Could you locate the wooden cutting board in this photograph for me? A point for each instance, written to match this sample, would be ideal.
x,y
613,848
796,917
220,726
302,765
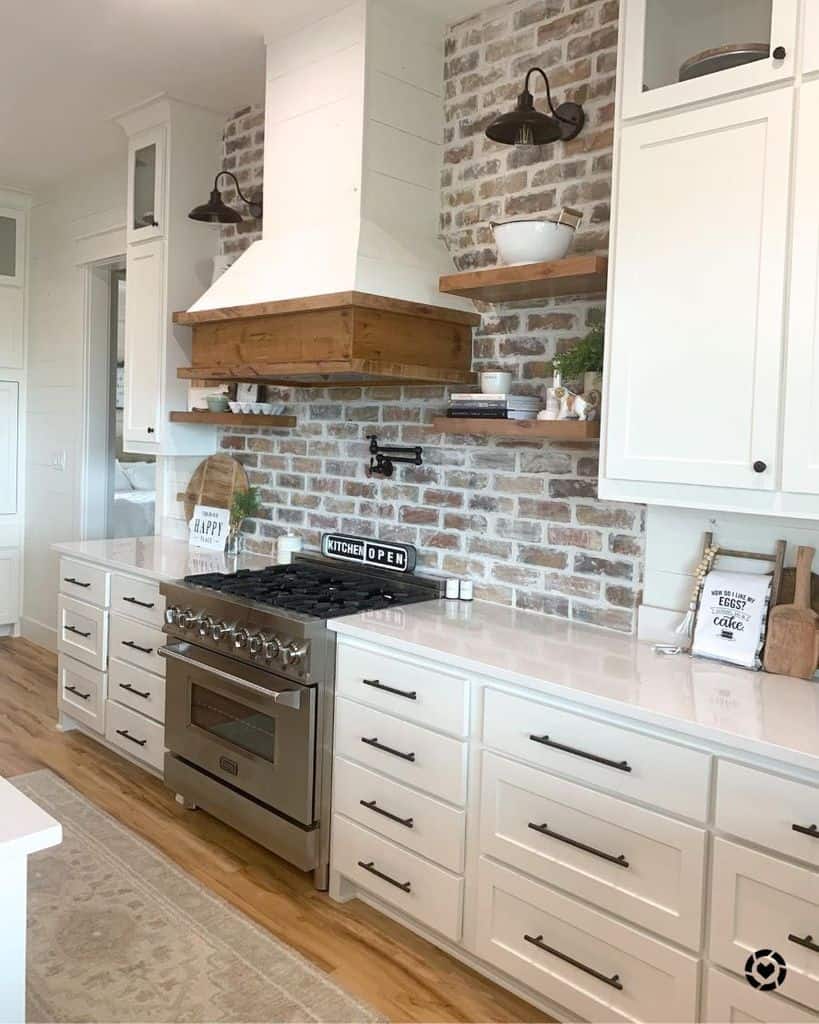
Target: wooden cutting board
x,y
214,482
791,644
787,588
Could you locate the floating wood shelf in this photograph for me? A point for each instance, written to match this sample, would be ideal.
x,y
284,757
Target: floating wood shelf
x,y
574,275
554,430
233,419
328,373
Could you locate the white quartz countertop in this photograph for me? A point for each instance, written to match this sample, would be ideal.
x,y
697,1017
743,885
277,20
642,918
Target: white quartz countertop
x,y
158,558
24,827
772,716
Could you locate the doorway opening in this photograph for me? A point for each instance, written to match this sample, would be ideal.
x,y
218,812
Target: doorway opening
x,y
120,486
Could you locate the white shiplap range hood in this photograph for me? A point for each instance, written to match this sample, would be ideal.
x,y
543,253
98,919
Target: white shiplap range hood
x,y
352,158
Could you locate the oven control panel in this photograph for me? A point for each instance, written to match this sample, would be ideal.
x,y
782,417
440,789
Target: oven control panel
x,y
262,648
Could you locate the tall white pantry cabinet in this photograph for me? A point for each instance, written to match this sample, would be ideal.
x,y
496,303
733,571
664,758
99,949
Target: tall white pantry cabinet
x,y
712,353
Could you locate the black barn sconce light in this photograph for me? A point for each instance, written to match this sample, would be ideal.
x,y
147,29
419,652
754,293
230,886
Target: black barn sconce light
x,y
527,126
216,210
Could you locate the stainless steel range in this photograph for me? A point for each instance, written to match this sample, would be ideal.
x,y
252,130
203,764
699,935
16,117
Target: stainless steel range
x,y
250,686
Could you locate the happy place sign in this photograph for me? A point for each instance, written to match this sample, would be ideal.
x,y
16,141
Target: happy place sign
x,y
398,557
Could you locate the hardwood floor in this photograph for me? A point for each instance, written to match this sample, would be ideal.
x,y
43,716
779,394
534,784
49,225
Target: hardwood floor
x,y
401,975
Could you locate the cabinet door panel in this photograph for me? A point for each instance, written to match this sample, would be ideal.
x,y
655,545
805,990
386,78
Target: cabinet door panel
x,y
11,327
801,448
146,185
9,390
696,318
810,36
144,325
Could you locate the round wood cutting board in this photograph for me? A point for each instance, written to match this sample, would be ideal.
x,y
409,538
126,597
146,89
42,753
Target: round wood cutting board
x,y
214,482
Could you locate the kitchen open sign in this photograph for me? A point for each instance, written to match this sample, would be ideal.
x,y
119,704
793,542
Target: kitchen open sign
x,y
209,528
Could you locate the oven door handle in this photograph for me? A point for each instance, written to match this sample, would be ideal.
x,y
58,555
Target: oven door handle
x,y
287,698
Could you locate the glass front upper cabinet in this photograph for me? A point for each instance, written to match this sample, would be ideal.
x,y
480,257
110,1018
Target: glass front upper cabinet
x,y
146,180
687,51
12,233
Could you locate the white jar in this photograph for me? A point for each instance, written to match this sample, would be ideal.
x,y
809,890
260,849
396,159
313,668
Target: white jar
x,y
287,546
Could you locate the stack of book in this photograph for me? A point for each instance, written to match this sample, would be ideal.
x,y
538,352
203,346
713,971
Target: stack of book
x,y
475,405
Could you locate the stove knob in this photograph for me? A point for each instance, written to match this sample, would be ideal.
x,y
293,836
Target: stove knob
x,y
171,613
219,631
240,639
255,644
271,647
293,653
205,626
185,619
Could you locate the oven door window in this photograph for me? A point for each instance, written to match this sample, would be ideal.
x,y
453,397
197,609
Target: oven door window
x,y
230,720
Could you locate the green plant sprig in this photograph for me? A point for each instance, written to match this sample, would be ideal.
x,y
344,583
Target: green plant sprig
x,y
246,505
585,357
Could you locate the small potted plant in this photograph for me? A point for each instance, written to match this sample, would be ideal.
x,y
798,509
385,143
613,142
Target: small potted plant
x,y
245,505
583,364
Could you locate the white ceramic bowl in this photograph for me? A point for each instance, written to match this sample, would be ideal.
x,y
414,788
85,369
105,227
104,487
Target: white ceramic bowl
x,y
245,407
257,407
532,241
235,406
496,382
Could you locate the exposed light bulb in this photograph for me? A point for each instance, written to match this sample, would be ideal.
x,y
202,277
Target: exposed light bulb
x,y
525,136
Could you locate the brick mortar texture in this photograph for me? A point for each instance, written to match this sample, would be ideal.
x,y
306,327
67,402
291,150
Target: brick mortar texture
x,y
522,520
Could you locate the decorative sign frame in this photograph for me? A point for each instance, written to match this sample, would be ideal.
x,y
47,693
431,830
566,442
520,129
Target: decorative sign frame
x,y
378,553
209,528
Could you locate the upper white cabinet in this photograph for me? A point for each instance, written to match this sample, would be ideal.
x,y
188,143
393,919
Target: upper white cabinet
x,y
696,308
174,150
143,350
146,184
12,246
810,37
678,52
12,286
9,396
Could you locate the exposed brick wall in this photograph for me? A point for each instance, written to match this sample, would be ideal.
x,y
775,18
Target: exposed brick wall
x,y
521,519
244,155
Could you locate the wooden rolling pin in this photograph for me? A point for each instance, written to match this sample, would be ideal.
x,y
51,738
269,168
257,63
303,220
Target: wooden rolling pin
x,y
791,646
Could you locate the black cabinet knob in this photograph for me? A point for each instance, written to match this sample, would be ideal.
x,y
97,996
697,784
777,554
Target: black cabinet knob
x,y
150,430
780,53
760,467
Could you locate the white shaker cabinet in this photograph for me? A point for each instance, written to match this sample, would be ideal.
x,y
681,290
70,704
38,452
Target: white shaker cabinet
x,y
665,39
810,37
143,349
696,309
801,447
146,185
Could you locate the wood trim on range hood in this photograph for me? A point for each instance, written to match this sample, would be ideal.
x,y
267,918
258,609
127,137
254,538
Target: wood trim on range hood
x,y
324,340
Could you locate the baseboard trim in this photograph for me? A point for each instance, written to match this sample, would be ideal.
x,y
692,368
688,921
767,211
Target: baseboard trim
x,y
39,633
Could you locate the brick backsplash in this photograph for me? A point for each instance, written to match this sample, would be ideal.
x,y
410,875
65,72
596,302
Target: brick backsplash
x,y
521,519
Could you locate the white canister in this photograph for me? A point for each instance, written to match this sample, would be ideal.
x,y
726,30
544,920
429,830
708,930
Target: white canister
x,y
452,588
287,546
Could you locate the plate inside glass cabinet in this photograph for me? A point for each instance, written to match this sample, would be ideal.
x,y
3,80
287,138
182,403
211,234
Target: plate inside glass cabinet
x,y
721,58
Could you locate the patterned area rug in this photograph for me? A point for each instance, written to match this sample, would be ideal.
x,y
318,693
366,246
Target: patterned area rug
x,y
119,933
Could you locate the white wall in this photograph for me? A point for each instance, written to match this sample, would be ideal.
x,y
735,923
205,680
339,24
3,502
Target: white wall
x,y
674,546
66,224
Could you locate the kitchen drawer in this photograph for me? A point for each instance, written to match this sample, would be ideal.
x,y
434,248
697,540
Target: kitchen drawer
x,y
729,999
138,598
135,734
143,691
419,889
424,759
658,884
647,980
85,582
415,692
759,902
424,825
633,765
82,693
781,814
83,631
137,644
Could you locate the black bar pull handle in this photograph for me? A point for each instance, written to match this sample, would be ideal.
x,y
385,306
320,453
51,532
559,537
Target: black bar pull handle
x,y
378,685
614,980
76,583
145,694
142,604
79,632
126,735
387,750
544,830
806,942
621,766
370,866
136,647
807,830
371,805
76,692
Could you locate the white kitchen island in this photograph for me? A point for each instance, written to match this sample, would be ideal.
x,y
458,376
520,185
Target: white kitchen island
x,y
24,829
